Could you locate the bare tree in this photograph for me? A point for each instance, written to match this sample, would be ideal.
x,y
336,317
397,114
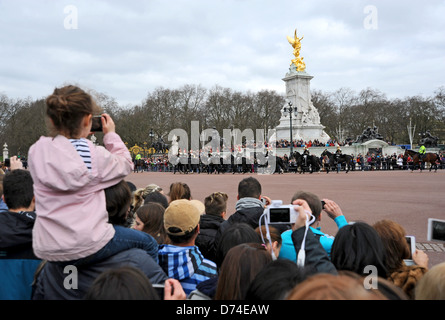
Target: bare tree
x,y
218,108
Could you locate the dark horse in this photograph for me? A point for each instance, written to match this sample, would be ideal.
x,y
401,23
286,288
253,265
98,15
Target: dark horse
x,y
265,161
335,161
431,158
311,163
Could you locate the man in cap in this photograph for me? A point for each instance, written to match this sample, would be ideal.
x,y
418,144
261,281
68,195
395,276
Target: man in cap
x,y
338,152
181,259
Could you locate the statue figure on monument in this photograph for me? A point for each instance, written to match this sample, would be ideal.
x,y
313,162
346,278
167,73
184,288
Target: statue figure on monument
x,y
175,145
306,123
305,117
296,44
313,115
369,134
428,139
376,134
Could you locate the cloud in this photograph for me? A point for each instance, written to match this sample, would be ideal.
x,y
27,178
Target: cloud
x,y
127,49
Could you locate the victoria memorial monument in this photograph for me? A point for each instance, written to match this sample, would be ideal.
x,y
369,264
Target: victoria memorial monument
x,y
303,115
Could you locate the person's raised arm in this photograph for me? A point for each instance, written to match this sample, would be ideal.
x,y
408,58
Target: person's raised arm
x,y
316,257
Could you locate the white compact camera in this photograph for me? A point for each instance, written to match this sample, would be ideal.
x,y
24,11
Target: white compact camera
x,y
279,213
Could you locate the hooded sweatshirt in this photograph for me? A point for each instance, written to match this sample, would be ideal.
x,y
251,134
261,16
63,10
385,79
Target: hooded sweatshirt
x,y
187,265
17,260
72,220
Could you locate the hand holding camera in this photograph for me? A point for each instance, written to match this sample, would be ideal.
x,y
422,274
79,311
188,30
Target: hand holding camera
x,y
331,208
13,163
420,258
276,212
304,213
103,123
299,214
296,213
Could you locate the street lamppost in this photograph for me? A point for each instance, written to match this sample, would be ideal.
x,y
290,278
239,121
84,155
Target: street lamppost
x,y
411,131
289,111
151,134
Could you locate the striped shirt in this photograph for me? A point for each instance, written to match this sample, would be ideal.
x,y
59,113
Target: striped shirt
x,y
187,265
81,145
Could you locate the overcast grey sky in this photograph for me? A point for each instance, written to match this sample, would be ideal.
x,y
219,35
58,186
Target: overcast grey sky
x,y
126,49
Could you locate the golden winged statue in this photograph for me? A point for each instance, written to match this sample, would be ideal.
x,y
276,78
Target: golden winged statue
x,y
296,44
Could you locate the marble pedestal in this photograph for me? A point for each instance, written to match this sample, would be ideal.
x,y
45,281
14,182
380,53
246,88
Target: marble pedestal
x,y
306,120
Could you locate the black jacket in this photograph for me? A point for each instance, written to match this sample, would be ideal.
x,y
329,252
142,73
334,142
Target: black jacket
x,y
51,281
208,227
16,255
16,231
250,216
317,260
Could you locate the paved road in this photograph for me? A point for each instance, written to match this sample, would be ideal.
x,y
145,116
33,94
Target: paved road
x,y
409,198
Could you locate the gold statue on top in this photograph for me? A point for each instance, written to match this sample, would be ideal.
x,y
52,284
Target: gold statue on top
x,y
296,44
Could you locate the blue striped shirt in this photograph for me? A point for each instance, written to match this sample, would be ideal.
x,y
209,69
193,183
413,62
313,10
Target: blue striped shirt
x,y
81,145
187,265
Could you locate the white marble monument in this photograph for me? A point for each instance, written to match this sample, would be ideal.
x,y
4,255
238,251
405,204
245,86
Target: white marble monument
x,y
305,118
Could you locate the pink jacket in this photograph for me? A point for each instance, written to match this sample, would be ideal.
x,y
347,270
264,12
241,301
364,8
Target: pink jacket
x,y
72,220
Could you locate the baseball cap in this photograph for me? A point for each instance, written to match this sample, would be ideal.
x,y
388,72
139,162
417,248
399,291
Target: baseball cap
x,y
199,205
181,217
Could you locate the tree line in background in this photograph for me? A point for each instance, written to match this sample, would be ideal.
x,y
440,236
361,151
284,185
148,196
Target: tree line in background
x,y
345,113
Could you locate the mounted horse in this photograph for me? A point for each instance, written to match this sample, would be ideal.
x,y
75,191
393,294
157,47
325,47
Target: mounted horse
x,y
309,163
335,161
264,162
432,158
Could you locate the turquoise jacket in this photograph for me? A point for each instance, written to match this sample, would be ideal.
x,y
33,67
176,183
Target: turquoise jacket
x,y
287,246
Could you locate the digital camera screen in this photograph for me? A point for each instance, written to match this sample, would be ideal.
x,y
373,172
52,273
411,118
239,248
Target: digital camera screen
x,y
438,230
408,239
279,215
97,124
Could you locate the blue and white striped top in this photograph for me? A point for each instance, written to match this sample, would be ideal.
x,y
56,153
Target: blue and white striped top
x,y
187,265
81,145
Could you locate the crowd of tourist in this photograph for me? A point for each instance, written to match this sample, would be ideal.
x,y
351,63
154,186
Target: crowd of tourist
x,y
73,227
233,258
284,143
203,255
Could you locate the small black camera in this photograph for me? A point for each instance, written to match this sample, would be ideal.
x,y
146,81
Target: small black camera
x,y
97,124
